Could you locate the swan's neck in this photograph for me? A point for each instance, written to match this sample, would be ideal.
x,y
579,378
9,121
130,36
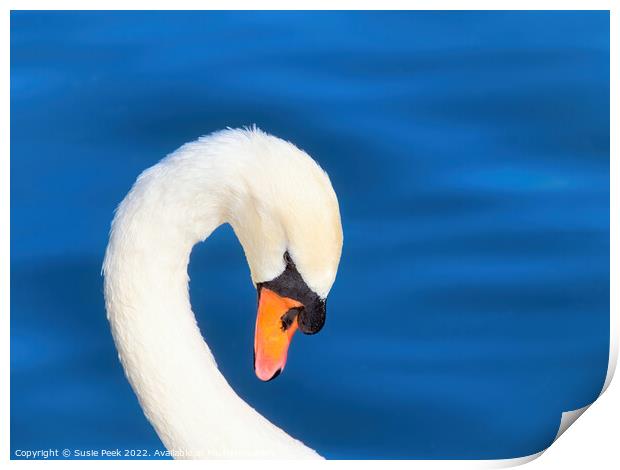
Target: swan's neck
x,y
195,412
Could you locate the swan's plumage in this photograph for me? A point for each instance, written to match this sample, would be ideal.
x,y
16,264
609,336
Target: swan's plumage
x,y
277,199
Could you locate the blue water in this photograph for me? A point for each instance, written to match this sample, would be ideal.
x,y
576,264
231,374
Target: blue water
x,y
470,154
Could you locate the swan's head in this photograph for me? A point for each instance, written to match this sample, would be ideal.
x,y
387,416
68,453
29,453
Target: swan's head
x,y
286,217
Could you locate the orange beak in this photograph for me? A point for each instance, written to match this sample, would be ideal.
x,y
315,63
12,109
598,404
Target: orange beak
x,y
275,327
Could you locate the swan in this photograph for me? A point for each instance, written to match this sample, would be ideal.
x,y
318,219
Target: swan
x,y
284,211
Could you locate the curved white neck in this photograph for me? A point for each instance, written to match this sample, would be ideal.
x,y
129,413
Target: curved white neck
x,y
172,206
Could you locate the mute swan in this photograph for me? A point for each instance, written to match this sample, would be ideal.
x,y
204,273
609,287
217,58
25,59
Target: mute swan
x,y
283,209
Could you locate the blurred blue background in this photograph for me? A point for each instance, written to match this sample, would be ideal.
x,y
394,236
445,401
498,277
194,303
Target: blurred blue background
x,y
470,154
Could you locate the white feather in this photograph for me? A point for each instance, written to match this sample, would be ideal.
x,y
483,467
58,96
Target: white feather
x,y
276,198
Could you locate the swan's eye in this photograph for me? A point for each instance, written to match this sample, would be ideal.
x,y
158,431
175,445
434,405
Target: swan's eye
x,y
287,258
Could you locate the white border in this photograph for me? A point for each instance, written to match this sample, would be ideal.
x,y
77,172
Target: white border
x,y
592,442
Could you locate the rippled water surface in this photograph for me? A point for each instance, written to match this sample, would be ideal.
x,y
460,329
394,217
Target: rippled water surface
x,y
470,154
